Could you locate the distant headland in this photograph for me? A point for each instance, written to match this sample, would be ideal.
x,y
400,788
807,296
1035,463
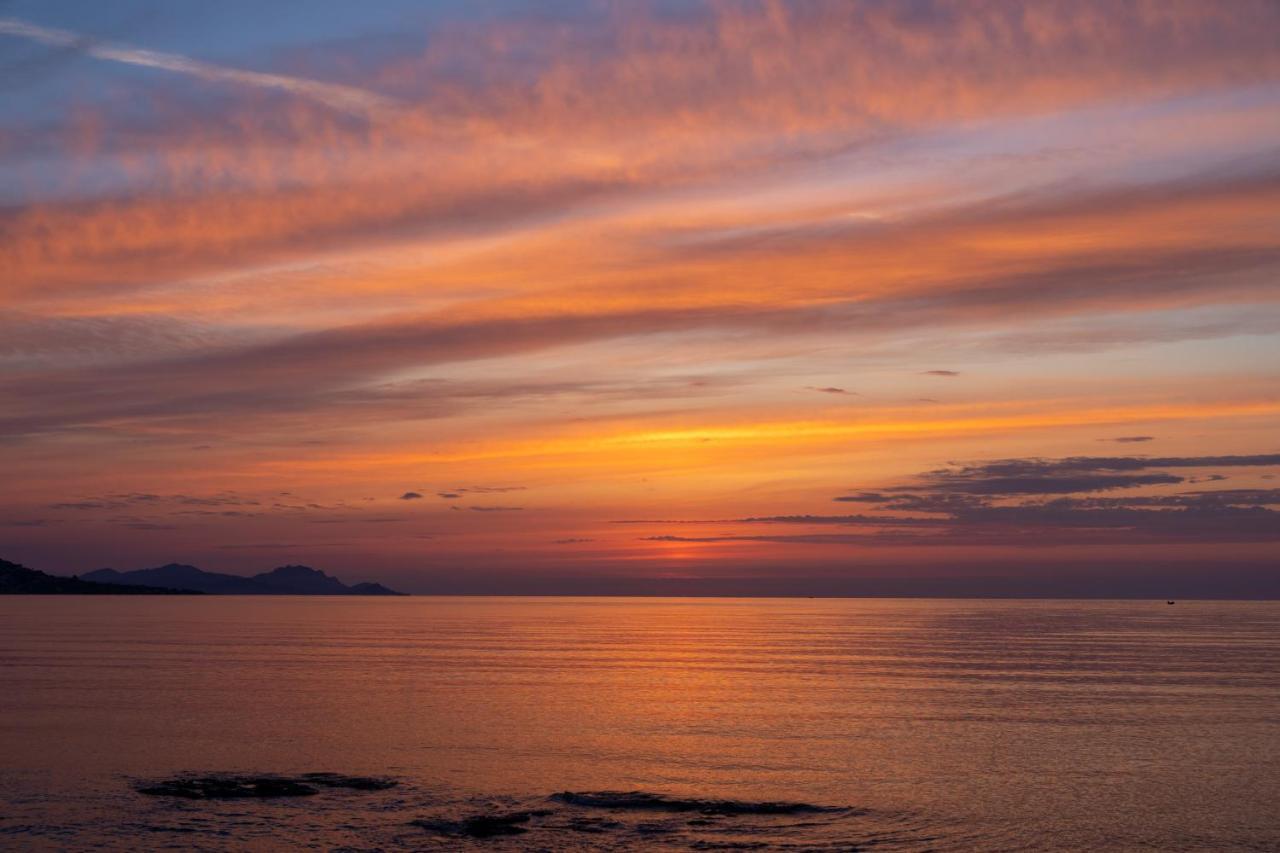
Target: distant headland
x,y
179,579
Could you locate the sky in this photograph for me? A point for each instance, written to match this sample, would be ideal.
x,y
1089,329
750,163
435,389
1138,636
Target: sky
x,y
916,297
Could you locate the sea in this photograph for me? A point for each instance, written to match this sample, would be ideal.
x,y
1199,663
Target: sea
x,y
575,724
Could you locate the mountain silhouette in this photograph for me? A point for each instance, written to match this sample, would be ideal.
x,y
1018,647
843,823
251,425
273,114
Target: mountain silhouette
x,y
301,580
284,580
16,579
179,576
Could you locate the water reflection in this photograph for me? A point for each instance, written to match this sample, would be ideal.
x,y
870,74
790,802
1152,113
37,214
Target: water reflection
x,y
927,724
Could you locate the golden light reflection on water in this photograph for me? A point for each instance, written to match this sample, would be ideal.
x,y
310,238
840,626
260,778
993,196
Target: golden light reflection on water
x,y
1084,723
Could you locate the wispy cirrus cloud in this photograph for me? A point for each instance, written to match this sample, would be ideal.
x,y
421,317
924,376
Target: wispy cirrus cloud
x,y
346,365
347,99
601,248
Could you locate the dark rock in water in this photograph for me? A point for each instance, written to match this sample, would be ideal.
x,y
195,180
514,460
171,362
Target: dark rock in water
x,y
642,801
229,788
486,826
355,783
259,787
592,825
483,826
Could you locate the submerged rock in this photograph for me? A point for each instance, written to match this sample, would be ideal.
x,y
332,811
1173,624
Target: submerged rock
x,y
228,788
643,801
483,825
237,787
355,783
593,825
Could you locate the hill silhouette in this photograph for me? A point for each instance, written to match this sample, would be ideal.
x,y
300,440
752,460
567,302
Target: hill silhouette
x,y
284,580
16,579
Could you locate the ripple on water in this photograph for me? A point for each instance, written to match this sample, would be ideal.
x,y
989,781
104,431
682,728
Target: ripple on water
x,y
389,816
613,820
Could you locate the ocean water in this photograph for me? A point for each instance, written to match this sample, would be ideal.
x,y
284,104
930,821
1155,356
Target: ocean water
x,y
895,725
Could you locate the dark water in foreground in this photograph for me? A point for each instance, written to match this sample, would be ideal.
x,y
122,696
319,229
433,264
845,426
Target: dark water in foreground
x,y
896,724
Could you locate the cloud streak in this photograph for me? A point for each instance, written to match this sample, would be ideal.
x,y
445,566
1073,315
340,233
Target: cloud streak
x,y
1033,503
653,260
346,99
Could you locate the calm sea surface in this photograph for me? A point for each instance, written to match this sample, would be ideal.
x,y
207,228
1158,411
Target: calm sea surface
x,y
908,724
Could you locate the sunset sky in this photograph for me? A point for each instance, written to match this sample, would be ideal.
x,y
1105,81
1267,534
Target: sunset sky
x,y
795,298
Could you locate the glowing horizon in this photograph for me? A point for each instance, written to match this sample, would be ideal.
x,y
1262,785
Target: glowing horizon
x,y
543,297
